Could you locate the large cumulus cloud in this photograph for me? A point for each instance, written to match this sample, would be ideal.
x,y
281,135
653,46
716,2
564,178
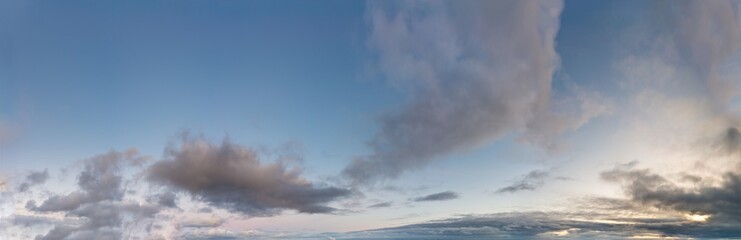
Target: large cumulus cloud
x,y
233,177
474,71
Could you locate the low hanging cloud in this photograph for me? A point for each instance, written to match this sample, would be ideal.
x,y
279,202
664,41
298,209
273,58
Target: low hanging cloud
x,y
474,71
441,196
233,177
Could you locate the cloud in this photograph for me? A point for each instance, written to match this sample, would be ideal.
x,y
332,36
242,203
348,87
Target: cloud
x,y
233,177
206,221
474,71
441,196
168,199
722,202
3,184
32,179
381,205
97,210
545,225
99,181
707,35
531,181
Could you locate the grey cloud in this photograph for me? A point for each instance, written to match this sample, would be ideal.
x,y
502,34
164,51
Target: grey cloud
x,y
202,222
168,199
474,71
531,181
30,220
99,181
98,204
32,179
3,184
381,205
441,196
722,202
731,141
232,177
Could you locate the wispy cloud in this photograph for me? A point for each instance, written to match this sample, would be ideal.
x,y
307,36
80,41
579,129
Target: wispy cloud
x,y
33,178
381,205
441,196
530,181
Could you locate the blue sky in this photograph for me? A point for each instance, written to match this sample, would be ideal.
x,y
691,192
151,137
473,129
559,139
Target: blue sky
x,y
257,119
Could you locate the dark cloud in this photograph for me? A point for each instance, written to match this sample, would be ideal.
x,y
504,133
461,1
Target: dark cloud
x,y
233,177
98,205
721,201
530,181
441,196
456,59
32,179
731,141
381,205
168,199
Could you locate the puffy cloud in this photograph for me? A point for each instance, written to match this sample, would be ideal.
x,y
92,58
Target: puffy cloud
x,y
99,181
97,210
441,196
233,177
474,71
34,178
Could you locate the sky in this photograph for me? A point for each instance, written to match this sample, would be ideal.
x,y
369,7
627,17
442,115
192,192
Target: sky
x,y
506,119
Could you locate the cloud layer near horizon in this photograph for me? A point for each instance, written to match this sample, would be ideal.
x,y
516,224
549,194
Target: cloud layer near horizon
x,y
108,203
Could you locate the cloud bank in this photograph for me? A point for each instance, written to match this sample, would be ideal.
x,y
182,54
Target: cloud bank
x,y
550,225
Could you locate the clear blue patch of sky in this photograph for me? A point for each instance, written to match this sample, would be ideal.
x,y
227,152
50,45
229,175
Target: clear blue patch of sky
x,y
95,75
